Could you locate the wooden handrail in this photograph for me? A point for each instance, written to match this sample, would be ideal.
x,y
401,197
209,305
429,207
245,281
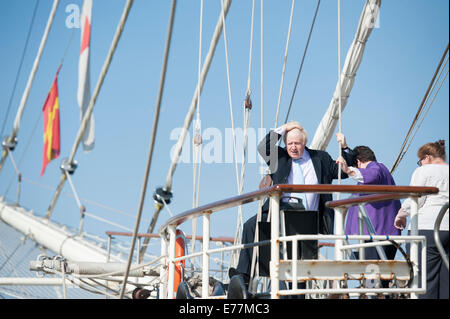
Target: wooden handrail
x,y
348,202
401,191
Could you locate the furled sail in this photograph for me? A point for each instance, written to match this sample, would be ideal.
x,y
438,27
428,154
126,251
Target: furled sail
x,y
366,23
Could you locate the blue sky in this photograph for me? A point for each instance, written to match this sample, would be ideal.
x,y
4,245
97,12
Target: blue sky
x,y
399,62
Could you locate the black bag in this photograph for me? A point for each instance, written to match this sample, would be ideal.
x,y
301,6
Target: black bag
x,y
298,221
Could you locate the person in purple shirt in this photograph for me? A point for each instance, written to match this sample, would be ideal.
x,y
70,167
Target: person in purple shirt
x,y
381,214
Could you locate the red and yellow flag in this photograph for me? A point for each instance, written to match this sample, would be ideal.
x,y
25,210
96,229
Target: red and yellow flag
x,y
51,125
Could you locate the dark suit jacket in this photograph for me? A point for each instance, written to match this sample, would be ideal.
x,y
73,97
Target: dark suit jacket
x,y
280,164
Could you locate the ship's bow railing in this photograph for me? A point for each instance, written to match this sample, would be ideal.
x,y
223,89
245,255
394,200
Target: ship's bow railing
x,y
281,270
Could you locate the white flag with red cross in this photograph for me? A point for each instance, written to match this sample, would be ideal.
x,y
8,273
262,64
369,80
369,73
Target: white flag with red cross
x,y
84,86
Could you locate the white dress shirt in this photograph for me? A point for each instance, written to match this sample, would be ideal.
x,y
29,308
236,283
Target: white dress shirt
x,y
358,176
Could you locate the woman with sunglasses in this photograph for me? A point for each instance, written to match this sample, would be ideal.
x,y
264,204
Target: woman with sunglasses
x,y
432,171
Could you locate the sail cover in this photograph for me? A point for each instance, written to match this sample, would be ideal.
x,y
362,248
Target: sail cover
x,y
326,127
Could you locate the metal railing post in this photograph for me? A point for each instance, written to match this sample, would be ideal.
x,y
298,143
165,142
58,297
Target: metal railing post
x,y
274,247
205,257
171,279
414,245
294,263
362,251
108,256
339,220
163,269
424,263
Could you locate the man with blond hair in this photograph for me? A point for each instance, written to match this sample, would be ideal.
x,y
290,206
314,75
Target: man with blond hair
x,y
295,164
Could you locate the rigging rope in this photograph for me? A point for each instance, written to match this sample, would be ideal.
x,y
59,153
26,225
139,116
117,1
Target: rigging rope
x,y
188,118
427,109
38,115
20,67
416,117
152,144
261,167
247,111
340,91
8,258
33,72
230,101
261,125
301,63
88,112
284,63
251,49
197,141
13,137
353,60
43,186
114,210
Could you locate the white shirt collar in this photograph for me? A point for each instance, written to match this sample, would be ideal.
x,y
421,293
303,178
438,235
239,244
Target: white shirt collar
x,y
302,159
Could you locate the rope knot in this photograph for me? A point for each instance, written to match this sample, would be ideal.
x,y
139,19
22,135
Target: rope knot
x,y
198,139
248,102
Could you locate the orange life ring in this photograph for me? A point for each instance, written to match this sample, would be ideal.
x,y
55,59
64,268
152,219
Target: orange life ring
x,y
180,249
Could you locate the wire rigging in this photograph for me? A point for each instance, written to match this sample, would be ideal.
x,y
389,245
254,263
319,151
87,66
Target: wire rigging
x,y
339,90
20,68
425,112
250,55
419,111
87,115
38,117
284,62
353,60
187,122
247,111
230,102
152,144
303,59
197,141
12,139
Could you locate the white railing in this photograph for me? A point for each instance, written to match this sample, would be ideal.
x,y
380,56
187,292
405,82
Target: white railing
x,y
168,235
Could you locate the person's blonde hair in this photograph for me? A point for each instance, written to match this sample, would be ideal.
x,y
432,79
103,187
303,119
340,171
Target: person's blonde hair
x,y
436,149
302,132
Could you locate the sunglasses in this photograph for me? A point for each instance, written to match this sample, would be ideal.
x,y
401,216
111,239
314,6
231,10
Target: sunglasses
x,y
419,162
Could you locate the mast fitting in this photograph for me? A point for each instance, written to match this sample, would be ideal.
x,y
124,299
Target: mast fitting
x,y
68,167
162,196
8,143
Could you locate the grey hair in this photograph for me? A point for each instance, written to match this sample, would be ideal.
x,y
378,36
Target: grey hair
x,y
302,132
